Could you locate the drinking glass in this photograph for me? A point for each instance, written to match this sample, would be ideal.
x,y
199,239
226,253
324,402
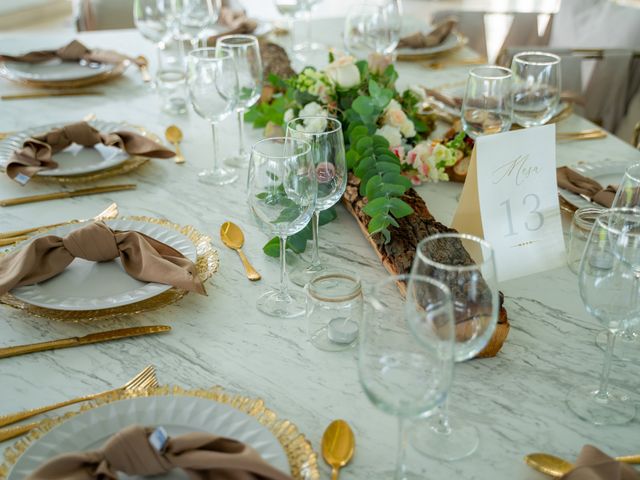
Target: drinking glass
x,y
609,284
405,355
303,50
487,107
213,85
282,195
627,196
536,87
327,150
245,51
581,225
334,310
449,258
289,8
170,85
195,17
373,27
152,18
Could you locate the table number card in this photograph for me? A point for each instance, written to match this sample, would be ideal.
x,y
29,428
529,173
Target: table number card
x,y
510,198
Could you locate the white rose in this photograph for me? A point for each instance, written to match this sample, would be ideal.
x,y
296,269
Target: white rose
x,y
315,124
288,115
392,134
344,72
312,109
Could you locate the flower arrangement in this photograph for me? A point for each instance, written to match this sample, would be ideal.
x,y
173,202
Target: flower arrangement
x,y
386,131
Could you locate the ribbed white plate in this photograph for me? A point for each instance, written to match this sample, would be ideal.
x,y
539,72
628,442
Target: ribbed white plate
x,y
605,172
86,285
177,414
56,69
409,27
74,160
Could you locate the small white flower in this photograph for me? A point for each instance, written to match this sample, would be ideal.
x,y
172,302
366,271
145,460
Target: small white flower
x,y
312,109
288,115
392,134
408,129
344,72
315,125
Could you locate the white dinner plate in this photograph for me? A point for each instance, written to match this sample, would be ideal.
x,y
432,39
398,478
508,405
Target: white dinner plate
x,y
177,414
56,70
605,172
410,27
74,160
86,285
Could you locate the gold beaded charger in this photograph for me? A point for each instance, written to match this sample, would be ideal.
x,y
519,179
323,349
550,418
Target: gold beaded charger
x,y
207,261
300,455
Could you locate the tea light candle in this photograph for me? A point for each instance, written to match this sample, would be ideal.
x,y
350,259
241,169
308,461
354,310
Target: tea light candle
x,y
342,330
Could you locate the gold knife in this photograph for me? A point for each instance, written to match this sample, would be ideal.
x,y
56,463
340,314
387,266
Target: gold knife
x,y
86,340
69,93
67,194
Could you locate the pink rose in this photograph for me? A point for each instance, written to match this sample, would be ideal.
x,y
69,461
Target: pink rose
x,y
399,152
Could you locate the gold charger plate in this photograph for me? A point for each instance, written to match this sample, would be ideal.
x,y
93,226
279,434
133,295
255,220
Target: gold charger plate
x,y
462,41
207,261
302,459
115,72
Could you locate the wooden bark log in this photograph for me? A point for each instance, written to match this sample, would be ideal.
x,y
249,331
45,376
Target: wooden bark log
x,y
397,255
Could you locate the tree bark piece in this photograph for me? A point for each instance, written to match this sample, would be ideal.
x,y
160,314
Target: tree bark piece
x,y
397,255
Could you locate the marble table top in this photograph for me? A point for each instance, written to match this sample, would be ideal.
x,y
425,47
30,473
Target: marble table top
x,y
517,399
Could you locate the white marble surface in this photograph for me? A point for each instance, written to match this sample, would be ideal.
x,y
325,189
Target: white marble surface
x,y
516,399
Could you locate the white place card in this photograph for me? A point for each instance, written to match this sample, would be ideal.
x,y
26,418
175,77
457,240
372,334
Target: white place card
x,y
510,198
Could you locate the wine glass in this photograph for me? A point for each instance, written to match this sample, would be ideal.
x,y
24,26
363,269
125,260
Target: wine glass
x,y
245,51
466,265
405,352
627,196
487,107
307,47
373,27
536,87
213,85
152,18
195,17
609,284
289,8
282,196
327,149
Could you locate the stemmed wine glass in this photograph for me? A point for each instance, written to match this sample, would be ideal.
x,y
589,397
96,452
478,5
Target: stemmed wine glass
x,y
245,51
195,17
213,85
327,149
282,197
536,87
466,265
627,196
152,18
373,27
609,284
405,353
487,107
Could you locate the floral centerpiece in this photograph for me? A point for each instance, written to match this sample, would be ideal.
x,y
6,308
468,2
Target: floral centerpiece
x,y
386,132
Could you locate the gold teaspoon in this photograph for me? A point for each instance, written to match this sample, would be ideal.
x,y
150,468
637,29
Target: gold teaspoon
x,y
174,135
143,65
338,445
233,238
557,467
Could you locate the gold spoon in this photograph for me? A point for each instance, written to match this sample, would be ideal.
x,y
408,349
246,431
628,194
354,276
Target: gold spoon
x,y
557,467
143,65
338,445
174,135
233,238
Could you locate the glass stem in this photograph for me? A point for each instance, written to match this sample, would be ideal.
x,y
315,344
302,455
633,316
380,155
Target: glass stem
x,y
215,146
307,26
603,389
291,27
284,289
441,424
401,468
241,150
315,225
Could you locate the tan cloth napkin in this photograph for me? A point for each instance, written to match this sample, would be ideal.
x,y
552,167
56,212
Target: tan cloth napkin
x,y
37,152
201,455
592,464
73,51
143,257
433,38
235,21
581,185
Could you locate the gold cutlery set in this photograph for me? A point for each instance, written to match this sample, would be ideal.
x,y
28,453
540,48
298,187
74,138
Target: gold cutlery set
x,y
67,194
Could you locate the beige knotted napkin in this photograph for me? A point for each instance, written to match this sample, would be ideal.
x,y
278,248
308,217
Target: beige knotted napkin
x,y
72,52
592,464
584,186
236,21
201,455
37,152
433,38
143,257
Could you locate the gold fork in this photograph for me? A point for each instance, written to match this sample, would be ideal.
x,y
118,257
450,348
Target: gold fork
x,y
144,380
108,213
